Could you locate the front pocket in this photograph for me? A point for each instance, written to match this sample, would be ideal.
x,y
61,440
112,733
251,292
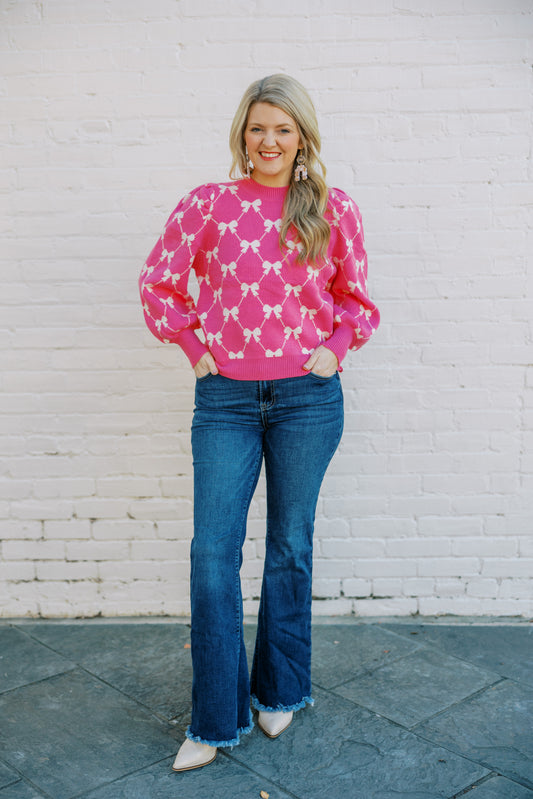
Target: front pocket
x,y
321,377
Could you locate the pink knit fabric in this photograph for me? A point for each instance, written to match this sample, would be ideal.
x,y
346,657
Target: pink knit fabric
x,y
262,314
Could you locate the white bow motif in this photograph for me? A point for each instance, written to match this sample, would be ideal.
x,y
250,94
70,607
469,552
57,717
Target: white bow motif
x,y
292,245
310,312
229,268
168,275
255,334
274,353
166,254
294,331
272,309
354,286
276,266
312,273
296,290
233,312
212,254
256,205
270,223
246,287
214,337
234,355
187,239
231,226
246,245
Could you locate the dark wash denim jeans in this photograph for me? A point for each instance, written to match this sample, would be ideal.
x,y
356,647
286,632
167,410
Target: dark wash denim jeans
x,y
295,425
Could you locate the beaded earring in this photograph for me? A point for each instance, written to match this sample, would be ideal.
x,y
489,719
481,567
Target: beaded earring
x,y
301,170
249,163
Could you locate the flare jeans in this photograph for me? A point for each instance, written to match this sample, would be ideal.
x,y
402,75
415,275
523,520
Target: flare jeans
x,y
294,425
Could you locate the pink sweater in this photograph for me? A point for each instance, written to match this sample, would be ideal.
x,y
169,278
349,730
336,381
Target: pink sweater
x,y
261,312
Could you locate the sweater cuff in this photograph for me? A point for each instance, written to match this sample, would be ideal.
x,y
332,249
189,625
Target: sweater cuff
x,y
339,342
191,345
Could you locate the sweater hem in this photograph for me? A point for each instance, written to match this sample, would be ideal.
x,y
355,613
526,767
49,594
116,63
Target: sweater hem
x,y
265,368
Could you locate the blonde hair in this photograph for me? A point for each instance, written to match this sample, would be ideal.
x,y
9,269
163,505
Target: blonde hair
x,y
306,200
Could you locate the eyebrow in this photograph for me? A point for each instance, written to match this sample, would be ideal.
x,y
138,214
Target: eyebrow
x,y
282,125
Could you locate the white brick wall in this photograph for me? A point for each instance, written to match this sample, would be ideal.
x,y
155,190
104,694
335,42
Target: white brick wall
x,y
112,110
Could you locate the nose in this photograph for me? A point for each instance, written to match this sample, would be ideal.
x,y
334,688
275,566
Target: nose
x,y
270,139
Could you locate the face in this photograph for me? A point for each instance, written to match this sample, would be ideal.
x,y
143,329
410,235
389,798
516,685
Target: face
x,y
273,141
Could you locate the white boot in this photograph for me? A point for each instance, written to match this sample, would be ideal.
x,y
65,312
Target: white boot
x,y
273,724
193,755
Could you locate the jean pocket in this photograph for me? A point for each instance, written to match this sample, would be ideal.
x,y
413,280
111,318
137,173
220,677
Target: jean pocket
x,y
321,377
204,377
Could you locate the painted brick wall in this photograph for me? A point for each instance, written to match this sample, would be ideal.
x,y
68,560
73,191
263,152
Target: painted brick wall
x,y
111,111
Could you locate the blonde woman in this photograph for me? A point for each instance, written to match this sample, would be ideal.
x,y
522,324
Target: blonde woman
x,y
281,267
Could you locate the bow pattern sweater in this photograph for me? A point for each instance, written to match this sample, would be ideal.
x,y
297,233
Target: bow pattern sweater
x,y
262,314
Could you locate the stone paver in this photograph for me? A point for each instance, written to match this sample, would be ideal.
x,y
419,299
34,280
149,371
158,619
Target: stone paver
x,y
508,651
224,779
500,788
23,660
20,790
336,749
494,728
341,653
416,687
149,662
97,710
72,732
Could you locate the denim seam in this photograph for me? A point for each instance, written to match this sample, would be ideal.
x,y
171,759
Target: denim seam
x,y
238,609
244,513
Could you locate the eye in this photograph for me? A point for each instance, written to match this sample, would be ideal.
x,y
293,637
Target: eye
x,y
285,130
255,130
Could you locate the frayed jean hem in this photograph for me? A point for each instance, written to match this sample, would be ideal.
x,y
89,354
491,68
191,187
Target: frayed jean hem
x,y
307,700
231,742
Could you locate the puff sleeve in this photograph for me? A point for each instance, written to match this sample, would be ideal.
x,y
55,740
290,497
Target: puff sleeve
x,y
169,309
356,317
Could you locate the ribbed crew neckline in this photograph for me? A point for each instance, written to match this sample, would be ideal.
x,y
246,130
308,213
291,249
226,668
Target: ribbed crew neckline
x,y
264,192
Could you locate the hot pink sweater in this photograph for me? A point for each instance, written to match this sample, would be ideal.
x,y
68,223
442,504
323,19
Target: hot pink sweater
x,y
261,312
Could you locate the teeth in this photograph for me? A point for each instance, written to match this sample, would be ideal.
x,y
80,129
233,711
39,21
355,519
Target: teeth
x,y
269,155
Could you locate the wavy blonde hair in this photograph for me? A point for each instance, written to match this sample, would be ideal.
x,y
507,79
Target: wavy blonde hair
x,y
306,200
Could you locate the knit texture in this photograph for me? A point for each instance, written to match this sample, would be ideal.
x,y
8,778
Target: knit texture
x,y
261,313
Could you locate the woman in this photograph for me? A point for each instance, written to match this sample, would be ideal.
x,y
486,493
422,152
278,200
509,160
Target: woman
x,y
281,267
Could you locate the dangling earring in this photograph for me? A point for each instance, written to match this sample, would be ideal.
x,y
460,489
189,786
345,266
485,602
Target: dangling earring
x,y
249,163
301,169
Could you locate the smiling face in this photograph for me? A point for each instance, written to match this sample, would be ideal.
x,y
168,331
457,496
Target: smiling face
x,y
273,141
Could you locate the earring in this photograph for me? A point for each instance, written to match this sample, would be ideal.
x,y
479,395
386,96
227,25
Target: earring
x,y
249,163
301,169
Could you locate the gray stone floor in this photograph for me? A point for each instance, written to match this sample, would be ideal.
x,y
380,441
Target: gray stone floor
x,y
404,710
